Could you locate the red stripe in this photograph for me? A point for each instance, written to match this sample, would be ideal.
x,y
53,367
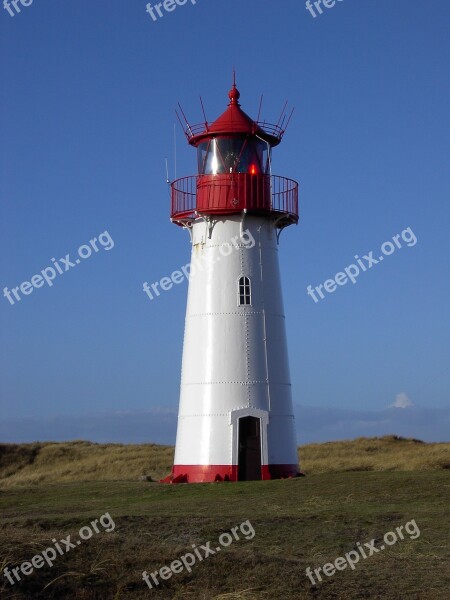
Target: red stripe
x,y
211,473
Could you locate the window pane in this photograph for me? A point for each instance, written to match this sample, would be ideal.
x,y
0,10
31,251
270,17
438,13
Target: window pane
x,y
244,291
232,155
202,151
231,150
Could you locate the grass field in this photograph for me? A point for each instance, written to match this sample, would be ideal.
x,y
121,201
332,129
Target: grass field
x,y
49,491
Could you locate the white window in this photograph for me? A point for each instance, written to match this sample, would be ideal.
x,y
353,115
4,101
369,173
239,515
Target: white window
x,y
244,292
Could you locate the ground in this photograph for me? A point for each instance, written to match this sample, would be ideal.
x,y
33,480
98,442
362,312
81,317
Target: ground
x,y
297,523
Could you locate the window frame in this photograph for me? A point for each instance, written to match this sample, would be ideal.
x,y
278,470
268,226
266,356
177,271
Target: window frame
x,y
244,291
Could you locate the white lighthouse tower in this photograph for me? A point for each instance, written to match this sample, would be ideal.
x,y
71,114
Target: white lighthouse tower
x,y
236,418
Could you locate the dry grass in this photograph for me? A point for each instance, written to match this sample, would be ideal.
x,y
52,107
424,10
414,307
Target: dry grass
x,y
388,453
31,464
42,463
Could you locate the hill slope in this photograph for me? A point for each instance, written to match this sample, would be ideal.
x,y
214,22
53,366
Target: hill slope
x,y
31,464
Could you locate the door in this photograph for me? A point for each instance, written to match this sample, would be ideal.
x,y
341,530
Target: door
x,y
249,468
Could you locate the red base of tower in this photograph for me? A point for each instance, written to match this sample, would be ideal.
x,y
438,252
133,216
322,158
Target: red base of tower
x,y
216,473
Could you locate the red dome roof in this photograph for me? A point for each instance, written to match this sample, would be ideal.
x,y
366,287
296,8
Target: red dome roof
x,y
233,121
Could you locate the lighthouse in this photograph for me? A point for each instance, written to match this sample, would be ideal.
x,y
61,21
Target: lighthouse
x,y
235,420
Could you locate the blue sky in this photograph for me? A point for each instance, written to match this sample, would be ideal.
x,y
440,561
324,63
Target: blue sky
x,y
88,96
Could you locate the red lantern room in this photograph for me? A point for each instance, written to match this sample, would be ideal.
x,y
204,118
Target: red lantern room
x,y
234,170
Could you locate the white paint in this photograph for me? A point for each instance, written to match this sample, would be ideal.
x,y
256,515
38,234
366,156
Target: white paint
x,y
235,360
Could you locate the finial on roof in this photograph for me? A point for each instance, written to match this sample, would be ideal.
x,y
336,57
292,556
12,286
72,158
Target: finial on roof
x,y
234,93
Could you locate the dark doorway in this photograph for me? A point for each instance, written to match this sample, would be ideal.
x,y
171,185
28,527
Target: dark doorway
x,y
249,449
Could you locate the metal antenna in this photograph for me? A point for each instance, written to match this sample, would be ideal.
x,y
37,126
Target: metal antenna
x,y
181,124
282,113
260,106
168,180
204,113
290,117
185,118
167,171
175,148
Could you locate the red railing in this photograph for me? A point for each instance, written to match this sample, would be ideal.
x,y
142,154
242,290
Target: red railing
x,y
284,196
184,197
235,192
192,131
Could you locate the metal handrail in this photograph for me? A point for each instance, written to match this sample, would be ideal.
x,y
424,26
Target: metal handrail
x,y
283,196
192,131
